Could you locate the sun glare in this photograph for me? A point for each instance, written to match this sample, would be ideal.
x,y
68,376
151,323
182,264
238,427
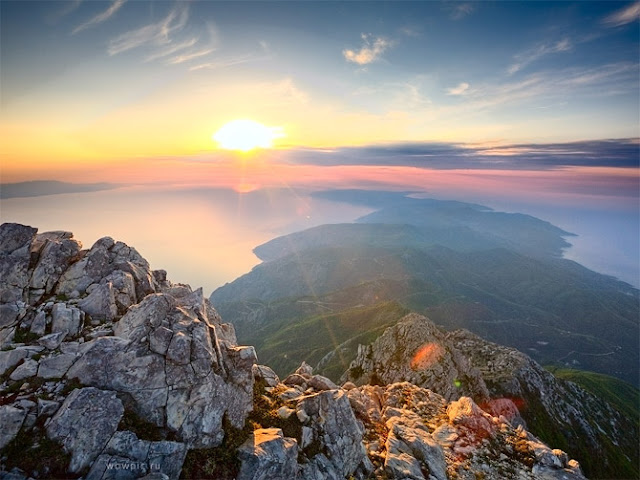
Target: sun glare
x,y
246,135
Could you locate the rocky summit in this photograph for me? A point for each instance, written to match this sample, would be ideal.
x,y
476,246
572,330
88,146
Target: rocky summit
x,y
109,370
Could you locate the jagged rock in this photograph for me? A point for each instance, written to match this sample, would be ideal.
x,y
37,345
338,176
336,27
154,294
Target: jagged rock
x,y
304,369
100,304
10,358
28,369
47,408
84,424
268,455
318,382
53,340
39,324
55,252
262,372
405,438
334,426
14,261
416,351
55,366
66,319
8,314
11,419
126,455
295,379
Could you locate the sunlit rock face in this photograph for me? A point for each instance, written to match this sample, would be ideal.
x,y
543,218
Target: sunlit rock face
x,y
102,339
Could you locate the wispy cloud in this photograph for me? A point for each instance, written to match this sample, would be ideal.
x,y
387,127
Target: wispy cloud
x,y
172,49
533,54
101,17
625,15
225,62
461,10
460,89
370,51
153,34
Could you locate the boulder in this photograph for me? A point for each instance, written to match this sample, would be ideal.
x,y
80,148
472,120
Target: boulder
x,y
268,455
66,319
127,456
10,358
28,369
56,366
85,423
11,419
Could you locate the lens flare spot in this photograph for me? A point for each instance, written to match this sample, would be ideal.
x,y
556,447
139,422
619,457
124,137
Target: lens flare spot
x,y
426,355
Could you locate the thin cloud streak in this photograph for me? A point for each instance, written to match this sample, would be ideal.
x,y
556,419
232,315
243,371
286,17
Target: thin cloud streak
x,y
369,52
172,49
153,34
526,58
101,17
628,14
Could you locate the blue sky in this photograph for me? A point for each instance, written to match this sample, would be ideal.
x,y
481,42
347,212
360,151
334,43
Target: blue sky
x,y
327,73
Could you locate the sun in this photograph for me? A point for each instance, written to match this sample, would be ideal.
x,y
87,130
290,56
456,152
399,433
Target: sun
x,y
246,135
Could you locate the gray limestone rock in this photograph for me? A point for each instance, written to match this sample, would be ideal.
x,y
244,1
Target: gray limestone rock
x,y
53,340
55,251
66,319
39,324
336,429
85,423
55,366
264,373
126,456
28,369
10,358
268,455
318,382
11,419
100,304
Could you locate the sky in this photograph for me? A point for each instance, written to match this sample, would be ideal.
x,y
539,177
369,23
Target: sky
x,y
530,105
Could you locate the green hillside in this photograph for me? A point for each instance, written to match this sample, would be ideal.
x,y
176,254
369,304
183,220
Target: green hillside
x,y
621,395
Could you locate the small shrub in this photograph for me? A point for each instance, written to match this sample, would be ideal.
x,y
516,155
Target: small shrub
x,y
37,455
356,372
23,335
143,429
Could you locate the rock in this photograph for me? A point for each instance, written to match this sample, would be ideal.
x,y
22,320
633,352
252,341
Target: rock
x,y
85,423
55,366
11,419
100,304
126,454
39,324
14,236
418,443
262,372
295,379
318,382
57,252
402,466
10,358
268,455
160,339
179,350
47,408
334,426
416,351
53,340
304,369
466,413
8,314
28,369
66,319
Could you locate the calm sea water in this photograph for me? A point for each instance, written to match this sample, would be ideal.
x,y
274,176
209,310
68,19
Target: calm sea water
x,y
205,237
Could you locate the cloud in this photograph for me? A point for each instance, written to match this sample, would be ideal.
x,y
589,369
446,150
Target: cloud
x,y
462,10
172,49
370,50
628,14
461,89
101,17
533,54
153,34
